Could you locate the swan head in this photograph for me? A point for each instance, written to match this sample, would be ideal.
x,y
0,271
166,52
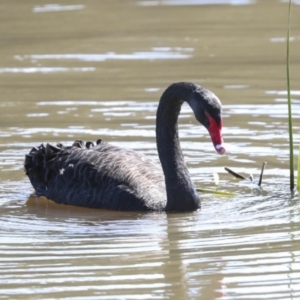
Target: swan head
x,y
208,111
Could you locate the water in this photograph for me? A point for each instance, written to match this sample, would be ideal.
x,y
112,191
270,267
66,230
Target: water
x,y
96,69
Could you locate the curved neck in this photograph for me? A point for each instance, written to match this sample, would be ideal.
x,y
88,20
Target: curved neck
x,y
181,193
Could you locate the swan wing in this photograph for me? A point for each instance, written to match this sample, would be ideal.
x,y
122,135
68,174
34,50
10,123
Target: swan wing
x,y
104,176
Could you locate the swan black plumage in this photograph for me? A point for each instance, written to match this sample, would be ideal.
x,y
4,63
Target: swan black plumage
x,y
110,177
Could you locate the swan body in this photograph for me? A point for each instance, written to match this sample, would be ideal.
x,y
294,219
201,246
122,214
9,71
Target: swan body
x,y
110,177
79,175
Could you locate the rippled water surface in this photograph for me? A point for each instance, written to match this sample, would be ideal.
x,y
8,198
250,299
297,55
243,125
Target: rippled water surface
x,y
96,69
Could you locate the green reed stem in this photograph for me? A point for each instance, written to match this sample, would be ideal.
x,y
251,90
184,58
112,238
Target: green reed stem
x,y
289,100
298,175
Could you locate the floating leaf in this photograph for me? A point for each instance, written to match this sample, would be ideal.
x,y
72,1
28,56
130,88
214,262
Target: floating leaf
x,y
222,193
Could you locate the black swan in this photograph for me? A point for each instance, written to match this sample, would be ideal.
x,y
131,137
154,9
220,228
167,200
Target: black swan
x,y
106,176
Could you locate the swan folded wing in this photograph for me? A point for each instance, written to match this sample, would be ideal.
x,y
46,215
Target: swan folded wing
x,y
134,173
104,176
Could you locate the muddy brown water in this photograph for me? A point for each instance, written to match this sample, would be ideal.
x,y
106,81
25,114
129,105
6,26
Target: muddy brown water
x,y
96,69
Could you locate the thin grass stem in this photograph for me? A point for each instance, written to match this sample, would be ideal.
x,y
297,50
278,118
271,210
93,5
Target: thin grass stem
x,y
298,175
237,175
289,100
261,173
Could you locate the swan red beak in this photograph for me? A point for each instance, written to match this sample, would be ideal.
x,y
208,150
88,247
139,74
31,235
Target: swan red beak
x,y
215,131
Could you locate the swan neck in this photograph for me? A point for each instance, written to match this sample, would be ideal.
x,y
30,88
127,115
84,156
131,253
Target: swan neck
x,y
181,193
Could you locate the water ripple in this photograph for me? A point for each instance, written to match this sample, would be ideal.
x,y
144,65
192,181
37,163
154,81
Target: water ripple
x,y
156,53
228,249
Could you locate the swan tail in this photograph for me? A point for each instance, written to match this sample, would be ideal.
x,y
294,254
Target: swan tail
x,y
41,163
35,165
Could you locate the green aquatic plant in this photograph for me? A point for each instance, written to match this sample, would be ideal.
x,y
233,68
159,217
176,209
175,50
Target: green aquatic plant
x,y
289,101
215,192
298,175
251,178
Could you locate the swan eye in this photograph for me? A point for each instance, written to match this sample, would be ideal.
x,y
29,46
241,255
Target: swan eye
x,y
207,114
